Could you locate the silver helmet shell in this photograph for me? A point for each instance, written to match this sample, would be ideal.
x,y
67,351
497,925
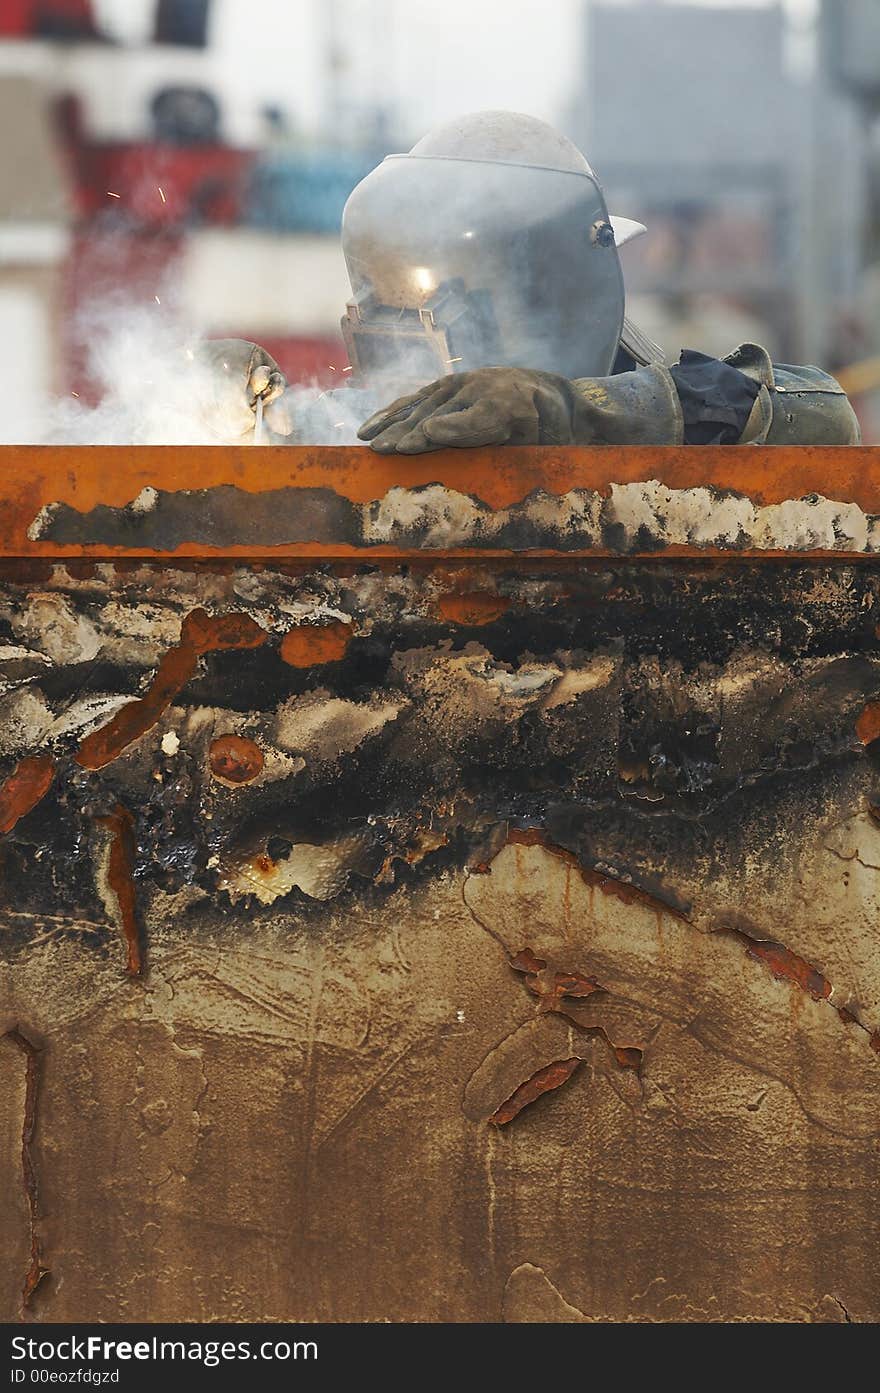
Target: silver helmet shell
x,y
488,244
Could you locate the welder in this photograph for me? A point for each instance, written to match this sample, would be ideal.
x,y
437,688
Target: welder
x,y
488,301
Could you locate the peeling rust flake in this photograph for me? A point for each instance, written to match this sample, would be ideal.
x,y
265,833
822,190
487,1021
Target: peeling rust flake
x,y
551,988
29,781
563,992
474,608
235,759
200,633
525,961
311,644
868,723
552,1076
786,965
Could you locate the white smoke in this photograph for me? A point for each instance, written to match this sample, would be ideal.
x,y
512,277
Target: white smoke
x,y
153,390
330,417
159,383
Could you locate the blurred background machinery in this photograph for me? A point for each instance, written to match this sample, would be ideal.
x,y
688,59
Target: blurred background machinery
x,y
198,153
850,45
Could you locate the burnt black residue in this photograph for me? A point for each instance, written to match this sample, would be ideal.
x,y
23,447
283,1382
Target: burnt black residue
x,y
727,702
218,517
225,515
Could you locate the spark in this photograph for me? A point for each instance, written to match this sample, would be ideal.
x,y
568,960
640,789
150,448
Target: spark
x,y
424,278
190,355
349,369
454,360
113,195
74,394
161,193
156,298
331,367
339,425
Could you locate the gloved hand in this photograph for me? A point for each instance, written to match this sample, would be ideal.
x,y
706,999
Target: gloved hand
x,y
518,406
490,406
233,374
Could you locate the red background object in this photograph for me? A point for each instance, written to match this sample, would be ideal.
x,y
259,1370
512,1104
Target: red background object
x,y
21,19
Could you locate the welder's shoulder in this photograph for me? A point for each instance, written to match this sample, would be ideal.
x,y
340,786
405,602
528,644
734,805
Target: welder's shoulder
x,y
795,405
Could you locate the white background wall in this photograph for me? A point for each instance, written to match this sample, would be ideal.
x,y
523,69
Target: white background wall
x,y
24,389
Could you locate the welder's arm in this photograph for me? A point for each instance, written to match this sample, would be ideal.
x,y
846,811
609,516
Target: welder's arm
x,y
738,400
231,375
518,406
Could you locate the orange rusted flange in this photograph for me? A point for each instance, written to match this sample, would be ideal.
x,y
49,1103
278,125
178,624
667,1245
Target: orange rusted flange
x,y
33,478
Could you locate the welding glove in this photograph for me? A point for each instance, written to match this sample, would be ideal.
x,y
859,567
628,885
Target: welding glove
x,y
232,375
519,406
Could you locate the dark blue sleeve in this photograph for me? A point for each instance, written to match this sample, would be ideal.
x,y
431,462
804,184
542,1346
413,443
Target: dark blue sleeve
x,y
716,399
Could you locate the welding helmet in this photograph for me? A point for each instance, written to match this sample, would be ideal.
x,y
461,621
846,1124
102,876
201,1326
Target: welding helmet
x,y
488,244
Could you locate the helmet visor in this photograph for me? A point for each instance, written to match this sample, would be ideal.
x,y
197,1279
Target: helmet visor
x,y
456,264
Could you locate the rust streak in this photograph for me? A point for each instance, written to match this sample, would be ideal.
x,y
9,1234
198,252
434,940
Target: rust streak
x,y
608,885
37,1269
29,781
120,878
783,963
200,633
310,644
544,1081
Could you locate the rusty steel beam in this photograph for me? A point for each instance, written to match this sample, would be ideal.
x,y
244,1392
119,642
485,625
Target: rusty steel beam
x,y
386,837
192,501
